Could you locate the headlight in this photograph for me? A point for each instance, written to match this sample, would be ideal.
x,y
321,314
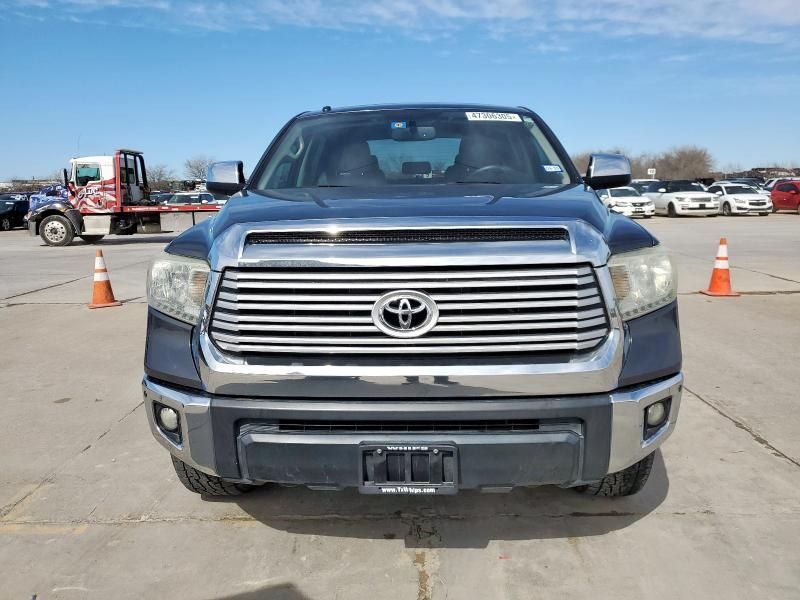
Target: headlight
x,y
622,203
644,280
176,286
680,198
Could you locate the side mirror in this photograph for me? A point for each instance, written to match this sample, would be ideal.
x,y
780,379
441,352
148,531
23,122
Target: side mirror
x,y
608,171
718,193
662,190
226,177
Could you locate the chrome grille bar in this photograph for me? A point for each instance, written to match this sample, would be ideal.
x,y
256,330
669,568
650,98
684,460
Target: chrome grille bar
x,y
325,311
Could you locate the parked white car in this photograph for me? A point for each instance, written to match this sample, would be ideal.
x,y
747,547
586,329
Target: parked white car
x,y
737,199
627,201
681,197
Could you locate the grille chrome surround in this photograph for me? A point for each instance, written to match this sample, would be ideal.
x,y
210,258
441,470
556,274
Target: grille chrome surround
x,y
324,311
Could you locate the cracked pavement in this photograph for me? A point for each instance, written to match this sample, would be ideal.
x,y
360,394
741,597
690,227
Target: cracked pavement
x,y
90,506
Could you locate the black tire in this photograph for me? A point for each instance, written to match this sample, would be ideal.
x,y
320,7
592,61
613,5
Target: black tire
x,y
92,239
56,230
671,211
5,224
648,216
208,485
623,483
763,214
726,210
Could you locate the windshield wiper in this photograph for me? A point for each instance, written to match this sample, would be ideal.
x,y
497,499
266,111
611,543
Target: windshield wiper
x,y
326,185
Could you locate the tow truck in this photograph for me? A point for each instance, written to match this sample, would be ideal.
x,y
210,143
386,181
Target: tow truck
x,y
109,195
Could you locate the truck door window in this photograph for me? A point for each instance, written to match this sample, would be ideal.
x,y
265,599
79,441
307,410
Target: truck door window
x,y
85,173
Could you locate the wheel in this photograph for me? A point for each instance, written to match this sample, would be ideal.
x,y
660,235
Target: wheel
x,y
647,216
726,209
763,214
92,239
56,230
208,485
671,211
623,483
798,209
5,224
774,208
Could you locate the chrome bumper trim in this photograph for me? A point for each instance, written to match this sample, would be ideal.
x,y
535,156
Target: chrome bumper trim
x,y
627,426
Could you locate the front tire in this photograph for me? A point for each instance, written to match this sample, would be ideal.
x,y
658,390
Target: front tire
x,y
726,210
56,230
763,214
92,239
623,483
205,484
671,211
5,224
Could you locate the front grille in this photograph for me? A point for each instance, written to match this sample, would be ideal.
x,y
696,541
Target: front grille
x,y
411,236
328,311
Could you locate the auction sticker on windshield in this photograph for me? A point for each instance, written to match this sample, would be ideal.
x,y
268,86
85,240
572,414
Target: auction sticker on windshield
x,y
492,116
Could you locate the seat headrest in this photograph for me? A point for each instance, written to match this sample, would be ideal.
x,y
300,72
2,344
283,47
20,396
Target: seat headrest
x,y
354,156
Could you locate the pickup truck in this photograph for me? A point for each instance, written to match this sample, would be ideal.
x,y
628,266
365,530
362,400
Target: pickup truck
x,y
415,299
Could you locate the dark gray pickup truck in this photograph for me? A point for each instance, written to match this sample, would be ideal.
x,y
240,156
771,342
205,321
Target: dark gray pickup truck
x,y
414,299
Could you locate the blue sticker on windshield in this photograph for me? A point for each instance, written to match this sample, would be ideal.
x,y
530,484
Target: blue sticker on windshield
x,y
399,125
552,168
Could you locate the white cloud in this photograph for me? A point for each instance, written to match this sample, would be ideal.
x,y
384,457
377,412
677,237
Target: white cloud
x,y
760,20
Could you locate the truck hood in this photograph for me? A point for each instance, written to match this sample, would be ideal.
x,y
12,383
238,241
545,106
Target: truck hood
x,y
574,207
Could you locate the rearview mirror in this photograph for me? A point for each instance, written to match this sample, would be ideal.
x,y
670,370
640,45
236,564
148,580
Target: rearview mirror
x,y
226,177
608,171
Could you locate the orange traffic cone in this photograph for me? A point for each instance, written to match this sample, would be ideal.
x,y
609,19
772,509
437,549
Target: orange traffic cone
x,y
720,284
102,295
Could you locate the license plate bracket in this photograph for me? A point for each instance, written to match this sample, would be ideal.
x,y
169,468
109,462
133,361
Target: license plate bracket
x,y
408,469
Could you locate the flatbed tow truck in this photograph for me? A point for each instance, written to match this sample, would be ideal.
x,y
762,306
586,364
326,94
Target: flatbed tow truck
x,y
109,195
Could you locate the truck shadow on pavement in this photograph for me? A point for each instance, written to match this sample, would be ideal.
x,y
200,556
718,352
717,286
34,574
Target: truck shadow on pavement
x,y
467,520
281,591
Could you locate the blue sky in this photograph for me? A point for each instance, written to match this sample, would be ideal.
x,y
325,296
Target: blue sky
x,y
176,78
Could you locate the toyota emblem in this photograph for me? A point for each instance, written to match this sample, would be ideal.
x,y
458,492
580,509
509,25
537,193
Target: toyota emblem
x,y
405,313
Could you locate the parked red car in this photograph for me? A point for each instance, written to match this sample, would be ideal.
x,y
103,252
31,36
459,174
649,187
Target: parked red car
x,y
786,196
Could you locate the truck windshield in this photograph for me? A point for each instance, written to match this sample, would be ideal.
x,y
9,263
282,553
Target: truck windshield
x,y
413,147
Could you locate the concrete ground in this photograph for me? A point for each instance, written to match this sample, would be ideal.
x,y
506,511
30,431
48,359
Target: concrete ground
x,y
90,506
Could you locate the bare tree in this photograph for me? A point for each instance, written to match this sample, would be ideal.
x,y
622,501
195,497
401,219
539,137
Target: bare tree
x,y
197,167
160,176
685,162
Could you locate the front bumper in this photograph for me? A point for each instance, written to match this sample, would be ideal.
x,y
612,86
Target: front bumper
x,y
742,210
697,211
580,438
635,211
